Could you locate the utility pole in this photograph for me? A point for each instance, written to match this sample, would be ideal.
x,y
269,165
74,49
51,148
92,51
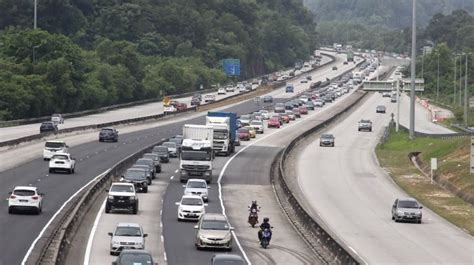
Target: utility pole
x,y
437,82
455,76
465,93
413,69
35,15
460,80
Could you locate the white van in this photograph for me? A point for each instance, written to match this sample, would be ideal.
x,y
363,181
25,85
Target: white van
x,y
53,147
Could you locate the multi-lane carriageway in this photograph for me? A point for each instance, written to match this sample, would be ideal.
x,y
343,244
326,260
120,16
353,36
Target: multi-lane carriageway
x,y
23,166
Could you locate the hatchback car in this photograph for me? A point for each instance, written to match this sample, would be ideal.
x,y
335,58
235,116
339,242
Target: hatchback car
x,y
162,152
273,123
252,131
126,236
285,117
156,160
213,231
147,162
267,99
380,109
265,114
245,120
297,112
172,148
48,126
134,256
279,108
257,125
227,259
191,207
53,147
406,210
303,110
197,187
326,140
243,134
290,114
108,134
25,198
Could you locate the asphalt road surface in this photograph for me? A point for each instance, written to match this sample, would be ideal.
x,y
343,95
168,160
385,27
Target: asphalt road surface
x,y
345,186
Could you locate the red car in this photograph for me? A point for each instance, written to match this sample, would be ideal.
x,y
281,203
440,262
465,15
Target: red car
x,y
285,117
297,112
273,122
279,118
303,110
243,134
181,106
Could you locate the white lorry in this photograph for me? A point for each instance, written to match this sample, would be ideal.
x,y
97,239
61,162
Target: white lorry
x,y
196,152
225,127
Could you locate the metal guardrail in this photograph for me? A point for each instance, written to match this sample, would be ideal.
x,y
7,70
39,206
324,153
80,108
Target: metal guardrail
x,y
438,136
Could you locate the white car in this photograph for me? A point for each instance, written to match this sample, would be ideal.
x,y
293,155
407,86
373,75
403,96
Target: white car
x,y
25,197
265,114
229,89
242,89
126,236
191,207
53,147
57,118
197,187
209,98
221,91
62,161
257,125
169,109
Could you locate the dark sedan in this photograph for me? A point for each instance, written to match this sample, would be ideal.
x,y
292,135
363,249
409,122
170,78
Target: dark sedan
x,y
48,126
108,134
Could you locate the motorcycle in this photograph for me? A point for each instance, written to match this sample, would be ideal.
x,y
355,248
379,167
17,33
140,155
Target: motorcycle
x,y
266,235
253,217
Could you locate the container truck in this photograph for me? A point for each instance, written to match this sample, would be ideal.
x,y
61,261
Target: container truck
x,y
225,127
196,152
350,56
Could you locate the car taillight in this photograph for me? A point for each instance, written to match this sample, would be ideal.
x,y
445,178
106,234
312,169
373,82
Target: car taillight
x,y
34,197
12,197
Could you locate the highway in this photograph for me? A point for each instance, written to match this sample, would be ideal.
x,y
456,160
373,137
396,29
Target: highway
x,y
14,132
178,236
345,187
93,158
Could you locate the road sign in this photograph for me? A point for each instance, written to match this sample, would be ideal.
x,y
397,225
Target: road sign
x,y
166,100
471,102
231,67
419,84
378,85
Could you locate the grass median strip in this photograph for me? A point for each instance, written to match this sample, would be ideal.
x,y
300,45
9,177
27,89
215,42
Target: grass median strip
x,y
453,168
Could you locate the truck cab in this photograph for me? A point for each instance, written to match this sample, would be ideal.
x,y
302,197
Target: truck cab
x,y
197,152
224,125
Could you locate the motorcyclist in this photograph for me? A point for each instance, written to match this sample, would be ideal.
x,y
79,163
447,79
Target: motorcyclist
x,y
254,205
263,226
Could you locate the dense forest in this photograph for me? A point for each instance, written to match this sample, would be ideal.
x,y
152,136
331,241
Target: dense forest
x,y
87,54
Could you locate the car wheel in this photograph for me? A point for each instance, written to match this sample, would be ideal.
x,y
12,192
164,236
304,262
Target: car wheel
x,y
419,221
10,210
148,181
38,211
112,253
393,218
51,170
135,209
73,170
107,208
69,171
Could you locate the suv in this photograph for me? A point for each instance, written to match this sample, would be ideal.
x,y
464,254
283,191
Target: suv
x,y
213,231
126,236
25,197
48,126
138,177
406,210
162,152
156,160
148,162
380,109
57,118
197,187
365,125
326,140
53,147
62,161
122,196
108,134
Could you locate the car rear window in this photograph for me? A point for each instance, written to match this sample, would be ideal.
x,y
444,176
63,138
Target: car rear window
x,y
24,192
54,145
243,130
107,130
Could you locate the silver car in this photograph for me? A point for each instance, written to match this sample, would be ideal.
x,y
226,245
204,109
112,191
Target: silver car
x,y
406,210
213,231
126,236
172,148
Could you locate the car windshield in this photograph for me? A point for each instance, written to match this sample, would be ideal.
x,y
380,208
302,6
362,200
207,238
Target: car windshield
x,y
215,225
408,204
24,192
121,188
196,184
223,261
59,157
146,162
243,130
245,117
192,201
195,155
135,174
54,145
128,231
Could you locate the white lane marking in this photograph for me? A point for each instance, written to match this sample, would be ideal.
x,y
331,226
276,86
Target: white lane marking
x,y
162,239
165,257
176,171
40,235
87,256
353,250
172,177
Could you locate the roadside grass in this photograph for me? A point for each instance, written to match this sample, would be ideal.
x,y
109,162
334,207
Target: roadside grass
x,y
453,166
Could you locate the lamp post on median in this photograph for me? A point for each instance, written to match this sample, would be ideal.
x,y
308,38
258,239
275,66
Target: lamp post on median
x,y
35,14
413,69
466,91
437,82
455,76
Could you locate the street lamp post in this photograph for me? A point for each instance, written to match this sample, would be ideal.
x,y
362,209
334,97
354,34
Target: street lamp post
x,y
35,15
455,76
34,53
413,69
460,79
437,82
466,91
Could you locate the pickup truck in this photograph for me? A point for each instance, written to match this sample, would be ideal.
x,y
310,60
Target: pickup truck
x,y
62,161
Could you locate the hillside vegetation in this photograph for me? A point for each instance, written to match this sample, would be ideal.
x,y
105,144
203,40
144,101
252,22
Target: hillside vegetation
x,y
88,54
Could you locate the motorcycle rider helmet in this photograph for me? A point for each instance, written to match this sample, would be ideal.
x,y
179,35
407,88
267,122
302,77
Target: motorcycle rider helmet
x,y
254,202
266,219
